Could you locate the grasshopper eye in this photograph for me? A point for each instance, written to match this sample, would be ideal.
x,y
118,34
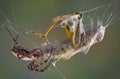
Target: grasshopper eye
x,y
70,23
75,19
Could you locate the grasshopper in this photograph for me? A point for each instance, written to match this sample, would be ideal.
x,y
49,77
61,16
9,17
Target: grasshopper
x,y
78,40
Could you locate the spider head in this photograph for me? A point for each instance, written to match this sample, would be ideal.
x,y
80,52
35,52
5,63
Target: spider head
x,y
22,53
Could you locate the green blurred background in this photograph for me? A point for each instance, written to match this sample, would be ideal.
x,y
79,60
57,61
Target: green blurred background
x,y
102,61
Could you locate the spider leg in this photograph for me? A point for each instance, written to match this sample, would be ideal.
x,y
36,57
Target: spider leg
x,y
45,61
14,39
45,68
33,65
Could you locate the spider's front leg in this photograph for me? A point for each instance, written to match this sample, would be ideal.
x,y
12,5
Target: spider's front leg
x,y
33,65
47,62
46,66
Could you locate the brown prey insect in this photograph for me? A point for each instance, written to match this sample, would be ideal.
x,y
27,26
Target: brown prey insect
x,y
78,40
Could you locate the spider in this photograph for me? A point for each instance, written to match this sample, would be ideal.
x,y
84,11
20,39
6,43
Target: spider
x,y
78,40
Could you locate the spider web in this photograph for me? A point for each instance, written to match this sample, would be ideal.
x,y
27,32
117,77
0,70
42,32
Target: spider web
x,y
105,15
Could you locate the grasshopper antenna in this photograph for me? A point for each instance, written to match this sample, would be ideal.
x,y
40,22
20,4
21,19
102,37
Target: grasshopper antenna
x,y
14,39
